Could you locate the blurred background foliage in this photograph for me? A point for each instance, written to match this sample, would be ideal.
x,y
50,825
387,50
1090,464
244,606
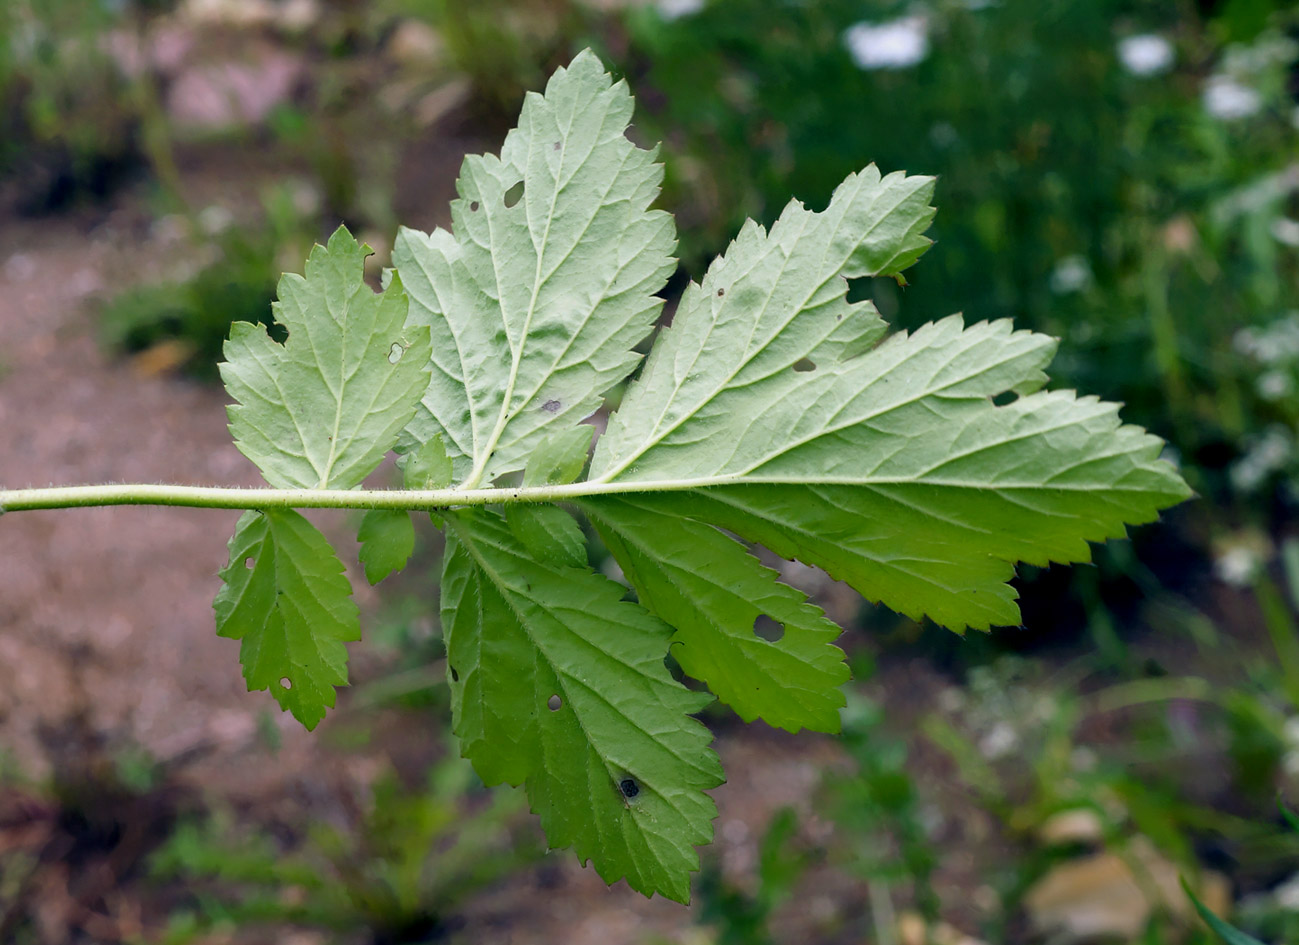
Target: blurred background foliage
x,y
1140,209
1121,174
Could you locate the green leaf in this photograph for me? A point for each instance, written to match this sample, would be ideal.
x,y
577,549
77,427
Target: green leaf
x,y
1230,935
549,533
535,306
768,409
558,683
709,588
387,540
322,409
1288,815
772,409
288,602
770,318
429,467
559,458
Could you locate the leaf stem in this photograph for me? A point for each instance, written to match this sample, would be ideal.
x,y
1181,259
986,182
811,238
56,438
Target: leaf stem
x,y
207,497
215,497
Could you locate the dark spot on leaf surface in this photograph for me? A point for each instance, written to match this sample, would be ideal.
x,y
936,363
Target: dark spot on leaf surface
x,y
551,406
514,194
556,145
554,703
803,365
473,207
629,788
720,293
455,677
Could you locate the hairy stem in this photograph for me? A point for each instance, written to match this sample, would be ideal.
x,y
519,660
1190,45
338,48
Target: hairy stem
x,y
212,497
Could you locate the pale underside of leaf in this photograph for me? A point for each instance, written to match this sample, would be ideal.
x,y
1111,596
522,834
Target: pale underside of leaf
x,y
322,409
287,600
773,306
558,683
535,307
708,587
895,472
771,409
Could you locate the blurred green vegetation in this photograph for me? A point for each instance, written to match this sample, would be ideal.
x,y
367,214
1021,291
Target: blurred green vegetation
x,y
412,857
1102,203
1066,832
184,322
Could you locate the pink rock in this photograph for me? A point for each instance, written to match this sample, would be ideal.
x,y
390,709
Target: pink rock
x,y
217,95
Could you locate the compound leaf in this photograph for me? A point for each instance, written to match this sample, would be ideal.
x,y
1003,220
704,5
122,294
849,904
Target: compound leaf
x,y
560,684
535,305
772,408
289,604
322,409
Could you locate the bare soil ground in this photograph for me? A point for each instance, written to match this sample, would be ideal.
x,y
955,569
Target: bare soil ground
x,y
105,614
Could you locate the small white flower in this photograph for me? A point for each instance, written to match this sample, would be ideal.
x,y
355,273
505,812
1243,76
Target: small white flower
x,y
1273,450
1290,731
1000,741
1286,231
1071,274
1290,763
1272,344
1267,454
1239,558
1146,54
1274,385
675,9
895,44
1228,99
1236,566
1287,894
